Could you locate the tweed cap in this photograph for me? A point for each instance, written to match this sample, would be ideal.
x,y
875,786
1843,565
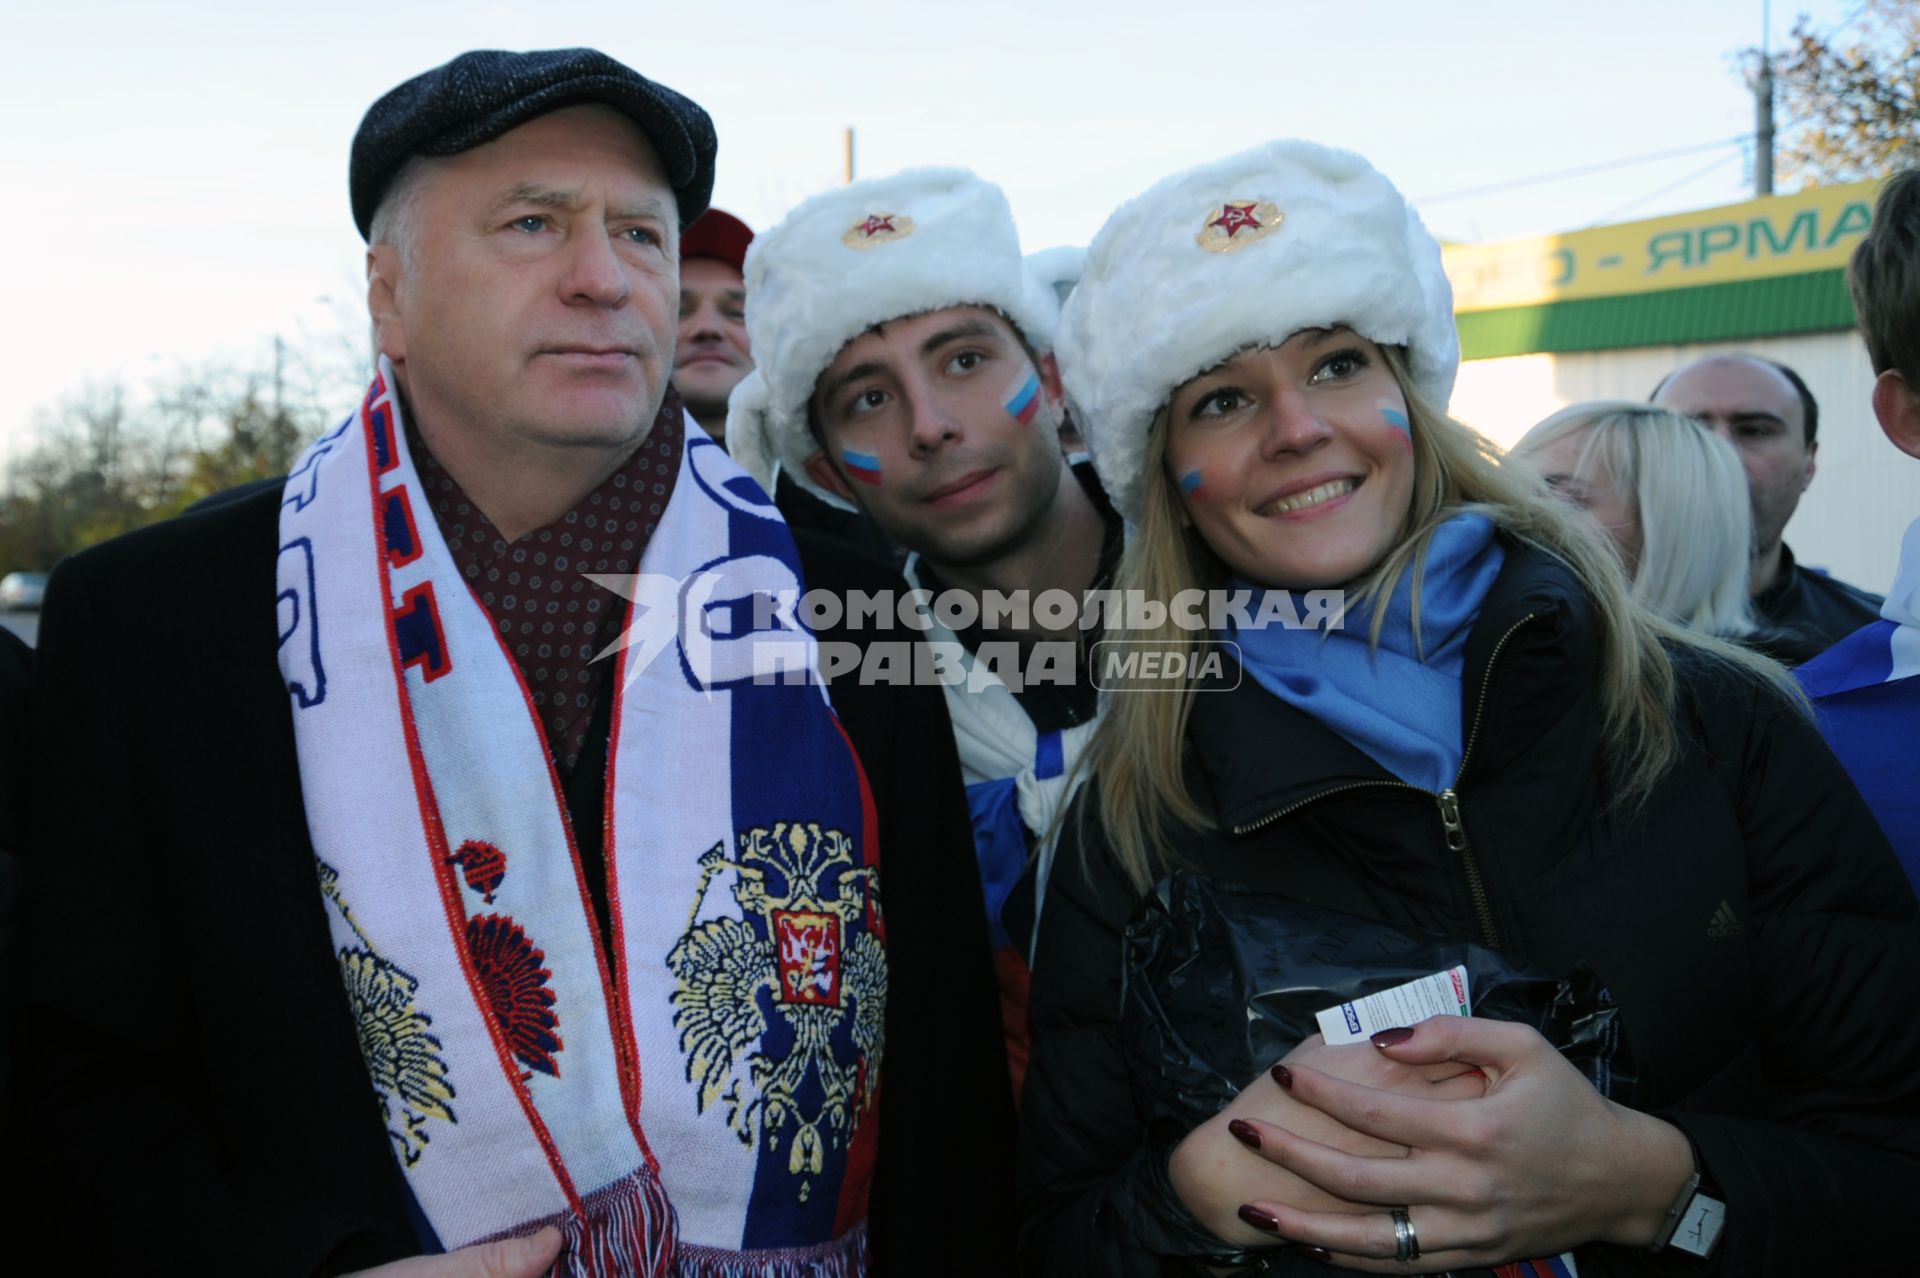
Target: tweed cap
x,y
480,95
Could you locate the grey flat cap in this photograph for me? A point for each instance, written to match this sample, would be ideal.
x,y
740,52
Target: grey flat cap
x,y
480,95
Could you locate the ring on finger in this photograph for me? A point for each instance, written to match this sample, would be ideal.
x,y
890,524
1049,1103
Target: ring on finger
x,y
1406,1241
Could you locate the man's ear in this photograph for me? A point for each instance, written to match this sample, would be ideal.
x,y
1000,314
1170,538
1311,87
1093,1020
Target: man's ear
x,y
822,472
383,280
1049,369
1897,405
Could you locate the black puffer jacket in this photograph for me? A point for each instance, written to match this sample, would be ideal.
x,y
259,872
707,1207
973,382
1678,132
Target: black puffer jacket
x,y
1749,918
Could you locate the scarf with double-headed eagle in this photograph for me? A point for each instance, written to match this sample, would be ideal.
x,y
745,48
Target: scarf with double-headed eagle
x,y
696,1093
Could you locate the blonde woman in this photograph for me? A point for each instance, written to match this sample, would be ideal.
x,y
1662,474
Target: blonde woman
x,y
1501,748
1670,496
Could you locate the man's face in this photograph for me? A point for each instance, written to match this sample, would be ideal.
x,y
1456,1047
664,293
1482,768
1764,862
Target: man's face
x,y
714,353
941,428
536,311
1755,408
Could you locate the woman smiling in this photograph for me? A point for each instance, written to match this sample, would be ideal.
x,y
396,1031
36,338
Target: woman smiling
x,y
1504,761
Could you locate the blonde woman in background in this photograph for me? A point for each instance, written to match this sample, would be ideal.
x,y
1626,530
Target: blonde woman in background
x,y
1670,496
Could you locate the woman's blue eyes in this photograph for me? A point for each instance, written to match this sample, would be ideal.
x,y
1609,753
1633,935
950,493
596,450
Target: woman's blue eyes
x,y
1340,365
1218,403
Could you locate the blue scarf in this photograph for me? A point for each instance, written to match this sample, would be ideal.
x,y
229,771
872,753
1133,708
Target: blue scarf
x,y
1399,703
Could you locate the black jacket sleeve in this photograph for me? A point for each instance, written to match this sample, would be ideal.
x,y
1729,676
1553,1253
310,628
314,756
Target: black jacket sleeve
x,y
1094,1187
942,1192
1828,1163
192,1069
16,662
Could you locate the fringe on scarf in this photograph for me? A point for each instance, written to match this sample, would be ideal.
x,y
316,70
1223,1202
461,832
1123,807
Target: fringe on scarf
x,y
630,1231
844,1257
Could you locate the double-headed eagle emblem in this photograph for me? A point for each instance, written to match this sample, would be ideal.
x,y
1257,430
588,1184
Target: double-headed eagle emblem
x,y
396,1038
804,946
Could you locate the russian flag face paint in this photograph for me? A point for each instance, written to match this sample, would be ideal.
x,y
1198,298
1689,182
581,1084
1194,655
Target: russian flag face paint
x,y
864,467
1022,399
1391,414
1193,485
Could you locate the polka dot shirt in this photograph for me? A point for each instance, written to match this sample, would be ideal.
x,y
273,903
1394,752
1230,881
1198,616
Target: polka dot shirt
x,y
551,617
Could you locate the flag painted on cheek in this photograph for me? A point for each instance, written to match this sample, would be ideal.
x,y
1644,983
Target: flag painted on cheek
x,y
1022,399
1392,415
1193,485
864,467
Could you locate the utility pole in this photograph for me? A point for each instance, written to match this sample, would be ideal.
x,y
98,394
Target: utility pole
x,y
847,155
1763,107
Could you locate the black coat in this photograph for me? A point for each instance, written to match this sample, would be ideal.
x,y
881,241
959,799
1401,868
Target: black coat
x,y
1805,612
200,1099
1749,918
16,663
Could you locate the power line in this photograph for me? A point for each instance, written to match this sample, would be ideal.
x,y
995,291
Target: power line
x,y
1583,171
1665,190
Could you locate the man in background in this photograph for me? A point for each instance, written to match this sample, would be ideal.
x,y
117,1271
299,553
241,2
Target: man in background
x,y
1770,417
714,352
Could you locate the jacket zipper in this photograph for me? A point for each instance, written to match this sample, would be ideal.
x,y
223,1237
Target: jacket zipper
x,y
1448,801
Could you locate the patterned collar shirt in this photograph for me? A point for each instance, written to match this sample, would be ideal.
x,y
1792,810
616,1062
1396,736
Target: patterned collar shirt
x,y
552,618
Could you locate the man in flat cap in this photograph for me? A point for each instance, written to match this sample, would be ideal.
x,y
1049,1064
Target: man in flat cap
x,y
378,915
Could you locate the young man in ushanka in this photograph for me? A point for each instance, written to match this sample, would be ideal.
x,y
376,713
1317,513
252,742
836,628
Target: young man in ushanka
x,y
901,344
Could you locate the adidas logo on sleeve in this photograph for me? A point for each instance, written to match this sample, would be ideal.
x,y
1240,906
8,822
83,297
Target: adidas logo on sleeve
x,y
1723,924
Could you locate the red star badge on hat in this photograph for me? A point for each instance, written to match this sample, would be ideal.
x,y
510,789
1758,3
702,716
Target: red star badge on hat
x,y
1235,218
876,229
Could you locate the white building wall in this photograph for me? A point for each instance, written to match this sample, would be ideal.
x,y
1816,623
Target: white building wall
x,y
1864,492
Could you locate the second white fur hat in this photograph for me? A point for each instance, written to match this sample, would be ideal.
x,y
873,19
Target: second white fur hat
x,y
857,256
1244,251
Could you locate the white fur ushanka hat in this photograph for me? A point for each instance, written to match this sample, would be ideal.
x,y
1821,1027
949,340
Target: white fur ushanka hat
x,y
857,256
1242,252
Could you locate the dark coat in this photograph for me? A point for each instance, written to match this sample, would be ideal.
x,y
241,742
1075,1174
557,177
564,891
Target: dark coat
x,y
1805,611
201,1099
1748,917
16,663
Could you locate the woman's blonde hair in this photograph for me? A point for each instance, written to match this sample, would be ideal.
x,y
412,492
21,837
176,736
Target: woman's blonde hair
x,y
1137,753
1689,496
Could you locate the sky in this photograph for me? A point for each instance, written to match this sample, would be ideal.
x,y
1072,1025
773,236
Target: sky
x,y
177,173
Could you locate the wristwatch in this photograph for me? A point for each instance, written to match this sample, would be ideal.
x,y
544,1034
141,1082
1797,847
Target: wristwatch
x,y
1694,1223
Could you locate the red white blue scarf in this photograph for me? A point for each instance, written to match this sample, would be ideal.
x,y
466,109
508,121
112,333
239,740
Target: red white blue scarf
x,y
704,1104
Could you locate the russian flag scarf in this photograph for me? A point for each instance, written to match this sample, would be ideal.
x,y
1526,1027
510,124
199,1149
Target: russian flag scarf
x,y
705,1102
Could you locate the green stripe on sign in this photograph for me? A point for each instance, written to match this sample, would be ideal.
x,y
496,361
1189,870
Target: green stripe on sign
x,y
1810,303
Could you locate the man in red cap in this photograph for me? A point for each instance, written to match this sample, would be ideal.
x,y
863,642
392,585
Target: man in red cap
x,y
713,353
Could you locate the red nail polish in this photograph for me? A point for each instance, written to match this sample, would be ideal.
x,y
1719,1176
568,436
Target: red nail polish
x,y
1283,1076
1265,1222
1320,1254
1392,1037
1245,1133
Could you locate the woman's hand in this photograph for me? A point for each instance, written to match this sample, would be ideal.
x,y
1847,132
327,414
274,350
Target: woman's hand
x,y
1216,1170
1542,1164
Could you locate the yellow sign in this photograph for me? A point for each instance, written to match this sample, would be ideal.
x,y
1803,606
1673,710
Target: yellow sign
x,y
1815,230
